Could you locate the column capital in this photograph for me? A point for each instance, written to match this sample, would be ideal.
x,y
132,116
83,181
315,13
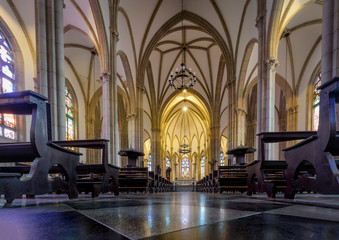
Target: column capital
x,y
142,89
292,110
131,116
115,34
240,112
105,77
229,84
260,19
216,127
155,129
271,63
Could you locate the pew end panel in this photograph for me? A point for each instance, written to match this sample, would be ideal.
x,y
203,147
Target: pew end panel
x,y
268,175
39,155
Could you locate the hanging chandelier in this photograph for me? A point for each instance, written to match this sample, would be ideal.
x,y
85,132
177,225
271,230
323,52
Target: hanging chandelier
x,y
183,76
184,147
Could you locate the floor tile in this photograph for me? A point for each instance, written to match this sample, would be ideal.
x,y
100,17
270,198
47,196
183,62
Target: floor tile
x,y
261,226
142,221
68,225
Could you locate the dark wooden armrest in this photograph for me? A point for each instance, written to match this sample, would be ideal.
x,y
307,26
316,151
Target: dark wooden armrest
x,y
56,146
254,163
306,141
86,143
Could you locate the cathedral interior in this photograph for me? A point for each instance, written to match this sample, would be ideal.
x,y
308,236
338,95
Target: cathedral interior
x,y
115,70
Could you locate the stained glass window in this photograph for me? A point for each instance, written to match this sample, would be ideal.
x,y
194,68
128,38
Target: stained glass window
x,y
168,162
222,159
202,166
149,162
185,168
69,115
316,104
7,84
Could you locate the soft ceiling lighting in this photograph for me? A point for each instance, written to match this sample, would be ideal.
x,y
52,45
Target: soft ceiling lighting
x,y
184,108
184,77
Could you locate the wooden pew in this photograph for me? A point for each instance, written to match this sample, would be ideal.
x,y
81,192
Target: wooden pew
x,y
95,178
231,179
311,163
134,179
269,175
40,152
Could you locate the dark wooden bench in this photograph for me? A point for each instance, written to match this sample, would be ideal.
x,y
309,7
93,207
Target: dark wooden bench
x,y
231,179
269,175
40,152
311,163
95,178
133,179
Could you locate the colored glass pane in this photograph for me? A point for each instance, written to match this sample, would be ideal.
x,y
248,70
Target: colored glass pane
x,y
149,162
168,162
8,71
222,160
185,168
69,109
7,86
9,133
202,166
9,120
316,104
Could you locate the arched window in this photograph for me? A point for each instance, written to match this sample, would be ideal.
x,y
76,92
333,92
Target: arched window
x,y
222,159
149,162
168,162
202,166
69,115
185,168
7,84
316,104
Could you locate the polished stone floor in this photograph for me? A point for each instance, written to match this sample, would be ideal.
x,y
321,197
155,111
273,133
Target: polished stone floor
x,y
177,215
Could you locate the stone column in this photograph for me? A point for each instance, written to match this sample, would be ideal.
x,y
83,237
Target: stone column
x,y
41,46
241,119
50,61
215,142
106,80
131,118
261,26
139,118
269,100
59,68
155,147
250,141
330,43
113,93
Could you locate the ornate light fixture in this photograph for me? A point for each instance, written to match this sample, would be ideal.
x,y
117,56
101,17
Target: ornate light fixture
x,y
184,148
183,78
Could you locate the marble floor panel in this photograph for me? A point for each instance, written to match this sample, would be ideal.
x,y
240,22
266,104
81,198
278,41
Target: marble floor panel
x,y
259,227
178,215
142,221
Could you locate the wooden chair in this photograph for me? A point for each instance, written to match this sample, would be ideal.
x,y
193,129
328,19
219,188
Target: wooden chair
x,y
311,163
40,152
268,175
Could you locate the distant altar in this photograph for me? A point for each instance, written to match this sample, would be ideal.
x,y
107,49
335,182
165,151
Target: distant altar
x,y
184,181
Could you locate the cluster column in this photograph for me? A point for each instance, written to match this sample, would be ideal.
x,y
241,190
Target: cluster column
x,y
50,61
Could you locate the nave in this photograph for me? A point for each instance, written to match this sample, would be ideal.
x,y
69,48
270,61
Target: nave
x,y
175,215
